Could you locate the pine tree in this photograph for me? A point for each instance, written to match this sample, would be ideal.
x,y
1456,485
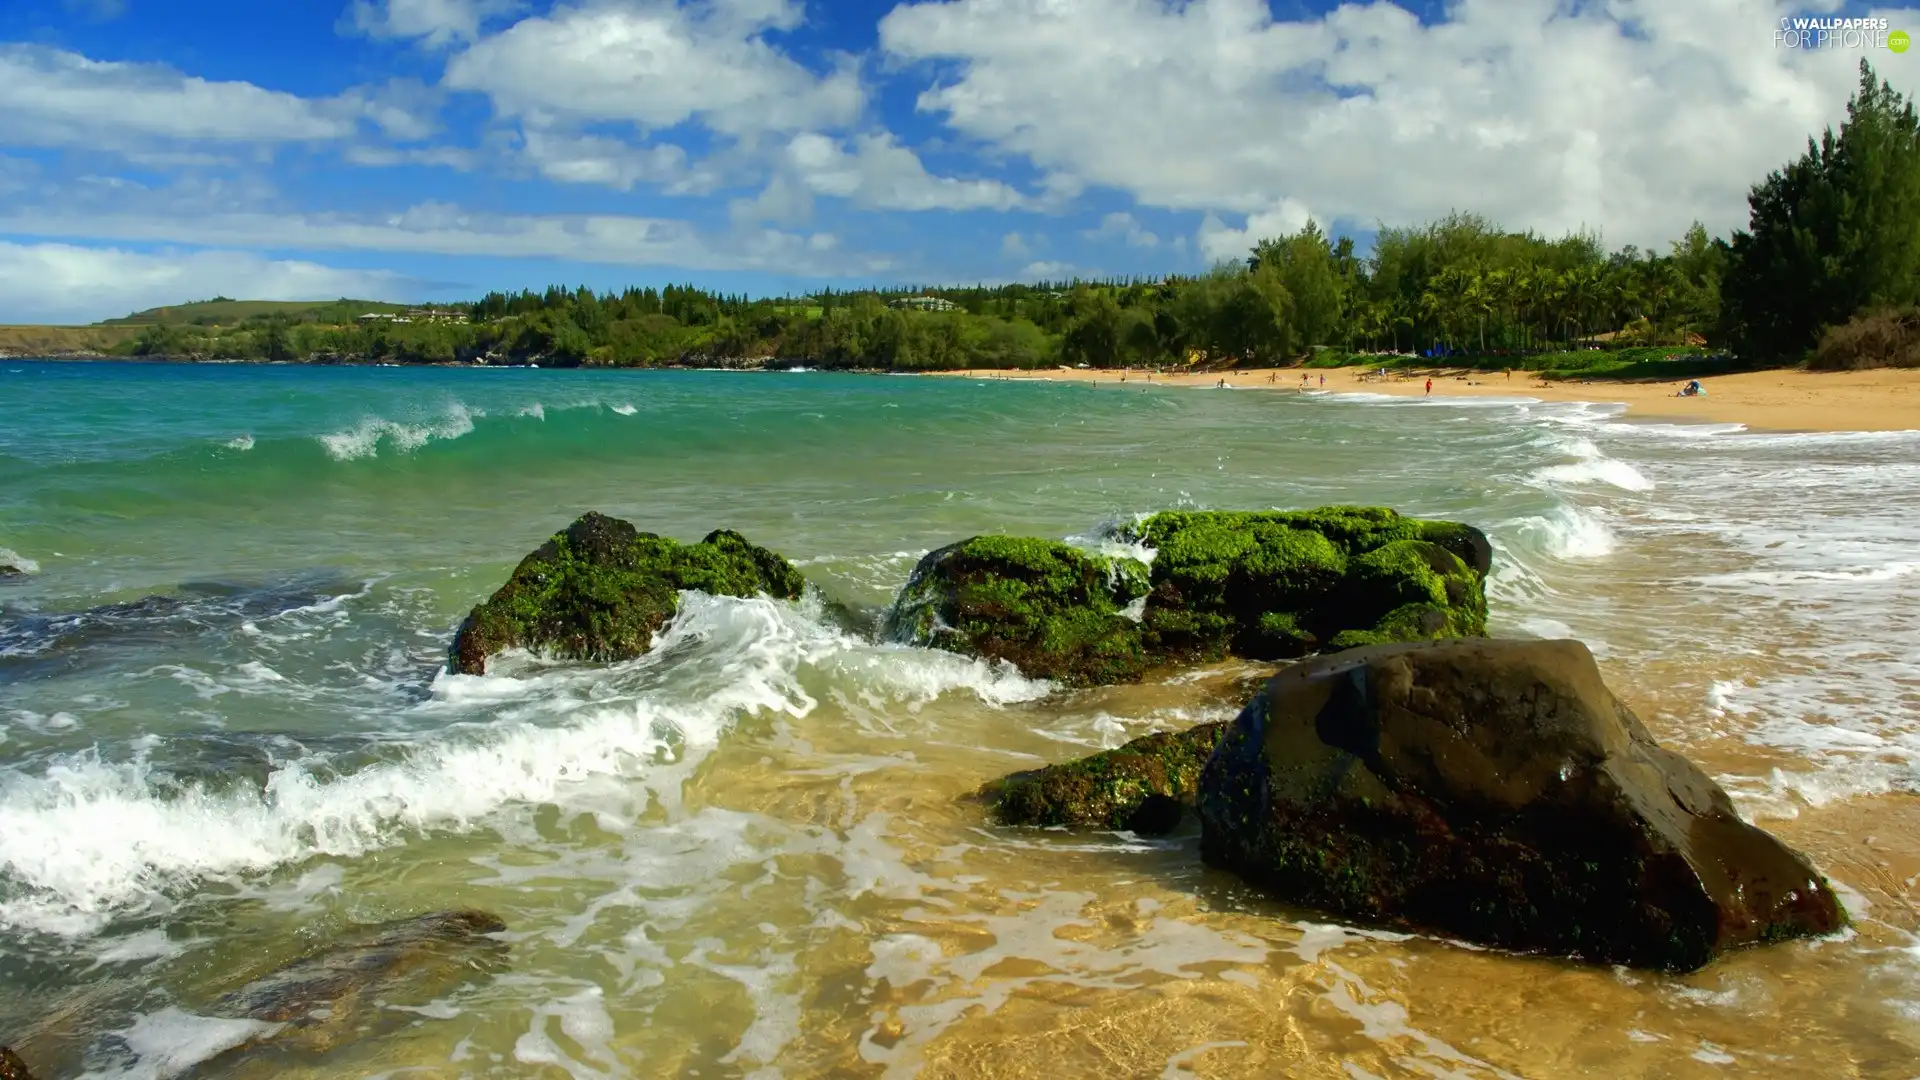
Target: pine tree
x,y
1832,233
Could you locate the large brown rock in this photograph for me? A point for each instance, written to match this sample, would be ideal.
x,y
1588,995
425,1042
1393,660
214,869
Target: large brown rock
x,y
1499,792
335,995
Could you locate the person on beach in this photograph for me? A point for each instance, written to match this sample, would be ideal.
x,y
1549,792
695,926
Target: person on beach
x,y
1429,387
1323,382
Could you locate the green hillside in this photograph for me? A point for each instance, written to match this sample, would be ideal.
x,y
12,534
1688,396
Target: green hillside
x,y
64,340
221,311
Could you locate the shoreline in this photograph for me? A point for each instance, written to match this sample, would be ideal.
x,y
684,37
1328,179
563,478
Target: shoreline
x,y
1777,400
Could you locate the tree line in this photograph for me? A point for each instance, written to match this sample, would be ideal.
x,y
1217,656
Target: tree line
x,y
1831,237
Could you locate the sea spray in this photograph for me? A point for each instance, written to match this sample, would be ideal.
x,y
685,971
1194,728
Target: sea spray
x,y
88,839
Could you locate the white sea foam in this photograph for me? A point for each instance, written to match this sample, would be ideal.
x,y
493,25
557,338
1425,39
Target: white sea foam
x,y
87,837
10,557
1107,539
364,440
170,1042
1567,532
534,410
1591,466
625,410
242,442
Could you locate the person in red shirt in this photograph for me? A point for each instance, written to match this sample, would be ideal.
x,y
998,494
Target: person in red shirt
x,y
1429,386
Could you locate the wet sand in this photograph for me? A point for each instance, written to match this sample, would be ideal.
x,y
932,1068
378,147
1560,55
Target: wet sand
x,y
1779,400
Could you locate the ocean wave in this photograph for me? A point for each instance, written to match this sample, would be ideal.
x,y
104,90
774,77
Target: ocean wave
x,y
624,409
88,839
1888,571
1590,466
241,442
1566,532
10,557
363,441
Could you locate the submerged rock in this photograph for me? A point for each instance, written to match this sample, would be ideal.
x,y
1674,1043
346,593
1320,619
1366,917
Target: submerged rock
x,y
1269,585
1141,786
11,1067
600,589
1495,790
332,995
12,575
1052,610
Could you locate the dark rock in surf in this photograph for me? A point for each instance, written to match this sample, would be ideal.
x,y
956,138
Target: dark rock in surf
x,y
1142,786
334,994
40,644
1497,791
12,575
1050,609
599,590
11,1067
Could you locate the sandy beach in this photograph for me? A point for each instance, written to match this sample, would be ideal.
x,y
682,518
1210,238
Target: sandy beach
x,y
1780,400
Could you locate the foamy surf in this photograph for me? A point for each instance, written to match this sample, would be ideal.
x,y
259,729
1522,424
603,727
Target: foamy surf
x,y
87,839
1591,466
170,1042
364,439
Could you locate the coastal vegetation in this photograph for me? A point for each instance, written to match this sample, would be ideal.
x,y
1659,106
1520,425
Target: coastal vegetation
x,y
1829,239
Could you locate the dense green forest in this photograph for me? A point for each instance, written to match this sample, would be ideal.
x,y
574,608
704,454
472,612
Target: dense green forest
x,y
1831,237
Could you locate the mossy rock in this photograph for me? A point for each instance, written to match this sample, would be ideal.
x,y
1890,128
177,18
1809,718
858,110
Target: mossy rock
x,y
1269,585
600,589
1050,609
1141,786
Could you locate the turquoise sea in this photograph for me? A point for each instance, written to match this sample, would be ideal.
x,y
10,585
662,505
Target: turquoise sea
x,y
227,736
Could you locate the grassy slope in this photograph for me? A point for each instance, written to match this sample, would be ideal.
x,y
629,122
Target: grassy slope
x,y
224,312
63,340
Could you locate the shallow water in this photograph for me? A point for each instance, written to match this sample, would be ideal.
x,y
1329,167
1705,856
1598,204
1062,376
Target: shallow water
x,y
748,854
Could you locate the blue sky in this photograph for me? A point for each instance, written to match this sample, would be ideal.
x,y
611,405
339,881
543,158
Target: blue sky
x,y
435,149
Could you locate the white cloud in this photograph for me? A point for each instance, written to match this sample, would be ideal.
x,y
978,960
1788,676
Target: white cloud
x,y
877,173
49,97
66,283
151,112
1123,226
435,22
595,159
1046,269
1634,116
657,63
436,228
446,157
1218,241
1014,246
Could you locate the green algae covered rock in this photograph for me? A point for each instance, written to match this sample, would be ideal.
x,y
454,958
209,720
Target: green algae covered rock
x,y
600,589
1495,791
1270,585
1050,609
1140,786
